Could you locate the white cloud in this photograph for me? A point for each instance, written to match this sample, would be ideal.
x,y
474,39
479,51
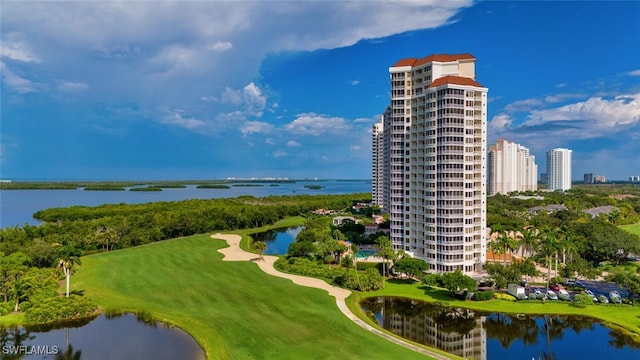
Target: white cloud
x,y
562,97
355,147
523,105
253,97
175,118
355,82
16,82
600,113
15,47
279,154
209,98
634,72
71,86
293,143
315,124
221,46
231,96
269,141
167,54
252,127
500,122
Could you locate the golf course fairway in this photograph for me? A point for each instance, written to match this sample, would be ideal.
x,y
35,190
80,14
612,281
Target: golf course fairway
x,y
232,309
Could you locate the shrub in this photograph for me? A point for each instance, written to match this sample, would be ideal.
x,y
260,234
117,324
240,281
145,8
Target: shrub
x,y
501,296
60,309
522,297
582,300
483,295
532,296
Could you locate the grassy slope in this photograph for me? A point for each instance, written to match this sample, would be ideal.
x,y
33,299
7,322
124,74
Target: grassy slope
x,y
624,316
634,228
232,309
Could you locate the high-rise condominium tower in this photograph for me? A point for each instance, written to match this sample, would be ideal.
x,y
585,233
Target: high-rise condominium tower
x,y
435,143
559,169
511,168
378,173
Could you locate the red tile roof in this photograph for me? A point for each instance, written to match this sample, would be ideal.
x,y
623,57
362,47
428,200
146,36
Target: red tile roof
x,y
458,80
434,57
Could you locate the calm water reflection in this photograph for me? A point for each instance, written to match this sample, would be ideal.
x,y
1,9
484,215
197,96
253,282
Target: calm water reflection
x,y
278,240
112,338
479,335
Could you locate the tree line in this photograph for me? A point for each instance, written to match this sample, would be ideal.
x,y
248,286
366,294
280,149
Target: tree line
x,y
29,255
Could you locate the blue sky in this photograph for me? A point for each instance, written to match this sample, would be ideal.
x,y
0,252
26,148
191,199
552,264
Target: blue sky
x,y
195,90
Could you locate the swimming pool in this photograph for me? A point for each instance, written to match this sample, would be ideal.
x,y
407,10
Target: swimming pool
x,y
365,253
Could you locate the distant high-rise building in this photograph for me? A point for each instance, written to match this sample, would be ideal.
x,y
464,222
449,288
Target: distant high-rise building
x,y
590,178
434,135
378,173
511,168
559,169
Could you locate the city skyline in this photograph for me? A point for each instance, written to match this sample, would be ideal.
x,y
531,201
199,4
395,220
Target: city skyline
x,y
188,90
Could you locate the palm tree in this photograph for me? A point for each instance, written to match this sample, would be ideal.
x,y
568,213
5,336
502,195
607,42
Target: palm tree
x,y
354,251
66,262
528,239
503,243
385,250
260,247
549,247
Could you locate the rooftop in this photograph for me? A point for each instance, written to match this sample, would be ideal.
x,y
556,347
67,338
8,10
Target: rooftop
x,y
432,58
457,80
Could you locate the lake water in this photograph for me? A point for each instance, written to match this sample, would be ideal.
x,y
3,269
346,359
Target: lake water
x,y
108,338
278,240
482,335
18,206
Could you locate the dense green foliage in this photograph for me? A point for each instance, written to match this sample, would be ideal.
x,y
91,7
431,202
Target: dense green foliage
x,y
580,242
55,309
135,224
147,188
213,186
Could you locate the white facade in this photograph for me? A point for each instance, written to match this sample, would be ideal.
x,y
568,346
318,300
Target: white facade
x,y
511,168
435,130
377,171
559,169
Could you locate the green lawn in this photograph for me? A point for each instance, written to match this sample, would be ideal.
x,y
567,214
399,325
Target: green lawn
x,y
232,309
634,228
624,317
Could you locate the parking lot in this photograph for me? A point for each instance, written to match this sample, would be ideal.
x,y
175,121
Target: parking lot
x,y
603,288
597,287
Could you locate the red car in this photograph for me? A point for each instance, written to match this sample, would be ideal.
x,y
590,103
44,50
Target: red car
x,y
555,287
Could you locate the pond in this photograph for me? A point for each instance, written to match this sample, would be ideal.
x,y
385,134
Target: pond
x,y
484,335
278,240
105,337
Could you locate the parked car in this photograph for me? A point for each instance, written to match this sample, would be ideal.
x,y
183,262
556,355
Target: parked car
x,y
551,295
615,297
580,284
564,295
570,282
603,299
555,287
589,292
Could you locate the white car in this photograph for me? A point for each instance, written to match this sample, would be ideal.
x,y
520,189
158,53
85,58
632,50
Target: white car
x,y
551,295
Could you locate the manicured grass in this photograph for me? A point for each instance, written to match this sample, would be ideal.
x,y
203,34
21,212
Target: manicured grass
x,y
11,320
623,317
233,309
634,228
